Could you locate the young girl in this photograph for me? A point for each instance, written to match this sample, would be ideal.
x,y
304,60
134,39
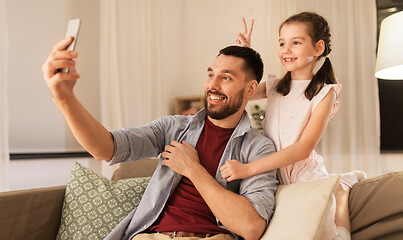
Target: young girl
x,y
299,107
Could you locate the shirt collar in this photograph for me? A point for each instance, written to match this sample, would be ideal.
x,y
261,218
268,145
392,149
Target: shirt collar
x,y
242,127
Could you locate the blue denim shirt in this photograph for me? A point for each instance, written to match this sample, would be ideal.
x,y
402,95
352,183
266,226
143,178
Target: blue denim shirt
x,y
245,145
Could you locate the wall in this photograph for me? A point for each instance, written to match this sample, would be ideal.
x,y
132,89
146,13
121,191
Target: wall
x,y
27,174
193,33
391,162
35,124
211,25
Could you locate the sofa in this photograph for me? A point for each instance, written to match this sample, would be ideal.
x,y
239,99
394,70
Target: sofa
x,y
376,206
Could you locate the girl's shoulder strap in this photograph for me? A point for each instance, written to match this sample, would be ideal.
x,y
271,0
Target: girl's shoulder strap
x,y
323,92
271,83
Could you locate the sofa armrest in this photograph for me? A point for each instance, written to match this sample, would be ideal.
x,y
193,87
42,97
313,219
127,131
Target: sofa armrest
x,y
376,209
31,214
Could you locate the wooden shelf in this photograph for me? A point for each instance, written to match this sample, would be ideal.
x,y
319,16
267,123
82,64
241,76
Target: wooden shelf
x,y
182,104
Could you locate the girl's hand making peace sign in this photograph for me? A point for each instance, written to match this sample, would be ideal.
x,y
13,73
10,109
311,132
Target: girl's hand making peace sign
x,y
243,39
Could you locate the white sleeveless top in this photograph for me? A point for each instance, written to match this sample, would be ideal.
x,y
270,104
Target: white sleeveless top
x,y
286,118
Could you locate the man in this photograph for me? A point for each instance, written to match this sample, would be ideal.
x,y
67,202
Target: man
x,y
186,197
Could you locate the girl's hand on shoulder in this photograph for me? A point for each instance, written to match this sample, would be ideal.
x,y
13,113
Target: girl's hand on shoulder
x,y
243,39
233,170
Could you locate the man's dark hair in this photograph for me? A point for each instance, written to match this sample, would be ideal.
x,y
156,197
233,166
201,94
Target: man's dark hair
x,y
253,64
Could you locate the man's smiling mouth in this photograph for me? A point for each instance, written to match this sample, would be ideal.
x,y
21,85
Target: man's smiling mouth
x,y
215,96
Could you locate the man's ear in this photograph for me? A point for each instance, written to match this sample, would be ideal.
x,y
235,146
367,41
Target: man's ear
x,y
251,88
319,48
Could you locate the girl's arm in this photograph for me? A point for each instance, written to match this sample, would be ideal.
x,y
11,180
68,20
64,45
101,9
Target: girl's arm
x,y
298,151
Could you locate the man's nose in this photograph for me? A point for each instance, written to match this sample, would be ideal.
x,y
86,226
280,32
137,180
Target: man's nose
x,y
214,83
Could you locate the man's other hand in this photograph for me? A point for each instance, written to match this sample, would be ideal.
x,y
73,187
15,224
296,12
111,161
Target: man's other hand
x,y
181,157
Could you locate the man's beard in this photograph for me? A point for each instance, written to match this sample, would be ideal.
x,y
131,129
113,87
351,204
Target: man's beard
x,y
225,110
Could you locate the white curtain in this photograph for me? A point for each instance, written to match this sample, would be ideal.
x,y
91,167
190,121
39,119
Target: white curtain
x,y
352,137
4,155
131,70
131,78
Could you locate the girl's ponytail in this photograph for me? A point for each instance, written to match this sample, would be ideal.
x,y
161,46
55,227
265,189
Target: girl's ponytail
x,y
284,85
324,75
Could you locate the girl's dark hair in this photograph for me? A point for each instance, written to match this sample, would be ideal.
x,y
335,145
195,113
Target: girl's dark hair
x,y
318,30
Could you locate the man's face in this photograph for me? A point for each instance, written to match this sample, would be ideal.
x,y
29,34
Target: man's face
x,y
225,87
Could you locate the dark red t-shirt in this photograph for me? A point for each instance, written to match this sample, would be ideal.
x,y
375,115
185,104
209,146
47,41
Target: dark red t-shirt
x,y
186,210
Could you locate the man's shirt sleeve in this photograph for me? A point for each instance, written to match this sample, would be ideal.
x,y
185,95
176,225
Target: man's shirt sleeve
x,y
137,143
260,189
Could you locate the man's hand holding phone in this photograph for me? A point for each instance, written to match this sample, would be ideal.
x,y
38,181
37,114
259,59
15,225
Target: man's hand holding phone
x,y
61,82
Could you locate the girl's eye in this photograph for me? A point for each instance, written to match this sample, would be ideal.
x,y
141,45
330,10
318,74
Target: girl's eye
x,y
282,44
226,78
297,43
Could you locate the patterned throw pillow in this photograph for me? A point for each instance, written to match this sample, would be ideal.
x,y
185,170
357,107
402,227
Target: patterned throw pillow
x,y
94,205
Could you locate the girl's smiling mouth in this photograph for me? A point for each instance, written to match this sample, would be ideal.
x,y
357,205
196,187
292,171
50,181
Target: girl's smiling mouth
x,y
289,59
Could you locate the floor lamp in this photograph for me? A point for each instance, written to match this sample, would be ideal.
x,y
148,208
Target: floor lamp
x,y
389,62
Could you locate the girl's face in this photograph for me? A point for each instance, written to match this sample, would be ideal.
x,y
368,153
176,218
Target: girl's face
x,y
297,53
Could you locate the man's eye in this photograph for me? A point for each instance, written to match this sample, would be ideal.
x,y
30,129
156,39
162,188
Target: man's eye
x,y
297,43
226,78
282,44
210,75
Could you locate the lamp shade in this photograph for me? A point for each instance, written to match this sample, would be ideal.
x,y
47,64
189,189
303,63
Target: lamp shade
x,y
389,62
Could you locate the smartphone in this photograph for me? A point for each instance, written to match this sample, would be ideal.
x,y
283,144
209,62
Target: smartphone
x,y
73,28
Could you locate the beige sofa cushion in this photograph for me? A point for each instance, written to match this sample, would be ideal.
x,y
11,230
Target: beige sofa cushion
x,y
376,207
140,168
301,210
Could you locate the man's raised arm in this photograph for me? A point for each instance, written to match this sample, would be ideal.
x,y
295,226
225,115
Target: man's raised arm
x,y
95,138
